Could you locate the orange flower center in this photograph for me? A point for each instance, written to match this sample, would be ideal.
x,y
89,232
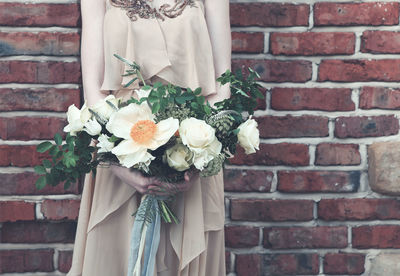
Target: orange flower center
x,y
143,131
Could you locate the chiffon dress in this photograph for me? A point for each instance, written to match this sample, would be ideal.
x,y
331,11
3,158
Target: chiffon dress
x,y
175,49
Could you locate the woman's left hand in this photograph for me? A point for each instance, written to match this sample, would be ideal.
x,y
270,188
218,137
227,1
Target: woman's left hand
x,y
164,188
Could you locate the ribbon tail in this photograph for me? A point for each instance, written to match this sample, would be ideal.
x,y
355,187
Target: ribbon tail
x,y
152,243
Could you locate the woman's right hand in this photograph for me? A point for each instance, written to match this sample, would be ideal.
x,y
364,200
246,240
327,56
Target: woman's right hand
x,y
133,178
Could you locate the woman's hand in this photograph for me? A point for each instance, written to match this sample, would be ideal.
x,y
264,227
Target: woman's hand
x,y
164,188
133,178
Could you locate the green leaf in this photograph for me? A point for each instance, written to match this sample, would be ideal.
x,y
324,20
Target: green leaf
x,y
40,170
47,163
113,139
41,182
67,184
155,108
54,150
146,87
58,139
130,82
43,147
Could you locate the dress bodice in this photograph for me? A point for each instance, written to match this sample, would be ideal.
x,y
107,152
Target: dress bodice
x,y
169,39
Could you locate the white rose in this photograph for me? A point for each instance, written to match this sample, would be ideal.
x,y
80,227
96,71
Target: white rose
x,y
92,127
179,157
200,138
104,109
249,136
142,93
104,144
76,119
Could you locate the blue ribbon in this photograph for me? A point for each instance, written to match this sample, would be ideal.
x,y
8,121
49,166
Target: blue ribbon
x,y
152,239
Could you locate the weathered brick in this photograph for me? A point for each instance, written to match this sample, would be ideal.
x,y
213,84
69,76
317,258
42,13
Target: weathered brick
x,y
378,236
228,262
350,14
344,263
292,126
359,70
16,211
327,99
366,126
249,265
42,99
241,236
359,209
50,72
64,261
312,43
60,209
337,154
247,42
379,97
277,70
305,237
42,43
291,264
25,14
247,180
318,181
269,14
38,232
380,42
274,155
24,184
271,210
29,128
20,156
19,261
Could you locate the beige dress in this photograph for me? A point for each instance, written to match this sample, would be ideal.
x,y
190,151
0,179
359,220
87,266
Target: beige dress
x,y
177,50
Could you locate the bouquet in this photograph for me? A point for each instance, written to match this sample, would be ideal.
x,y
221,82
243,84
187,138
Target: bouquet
x,y
163,133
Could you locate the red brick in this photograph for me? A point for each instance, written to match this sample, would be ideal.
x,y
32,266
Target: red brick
x,y
274,155
42,43
228,262
337,154
277,70
271,210
269,14
42,99
318,181
247,42
379,97
366,126
50,72
344,263
312,43
241,236
38,260
359,70
305,237
350,14
247,180
293,126
24,14
60,209
327,99
20,156
24,184
16,211
64,261
379,236
249,265
358,209
38,232
384,42
30,128
291,264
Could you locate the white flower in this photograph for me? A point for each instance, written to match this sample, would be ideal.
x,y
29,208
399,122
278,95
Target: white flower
x,y
142,93
179,157
76,119
104,109
249,136
200,138
135,125
104,144
92,127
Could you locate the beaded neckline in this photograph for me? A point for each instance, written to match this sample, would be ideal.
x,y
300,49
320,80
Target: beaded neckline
x,y
136,9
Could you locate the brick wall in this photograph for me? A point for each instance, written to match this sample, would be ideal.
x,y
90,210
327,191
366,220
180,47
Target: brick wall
x,y
301,206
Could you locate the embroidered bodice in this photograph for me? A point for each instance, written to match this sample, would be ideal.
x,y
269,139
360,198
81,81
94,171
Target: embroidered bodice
x,y
145,8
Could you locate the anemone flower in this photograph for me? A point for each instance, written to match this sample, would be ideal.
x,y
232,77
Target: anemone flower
x,y
136,126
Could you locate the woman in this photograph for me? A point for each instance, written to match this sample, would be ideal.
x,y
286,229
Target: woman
x,y
184,42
